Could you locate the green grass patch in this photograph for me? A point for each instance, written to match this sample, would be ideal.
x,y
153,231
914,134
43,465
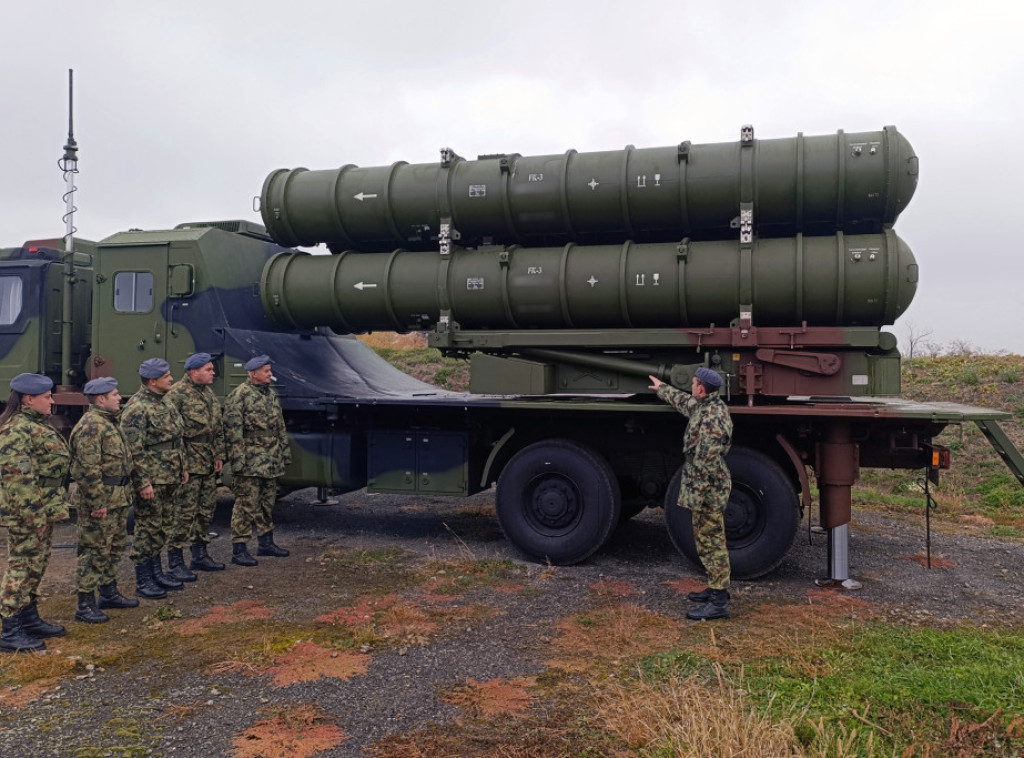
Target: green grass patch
x,y
457,577
1001,490
893,688
427,364
999,530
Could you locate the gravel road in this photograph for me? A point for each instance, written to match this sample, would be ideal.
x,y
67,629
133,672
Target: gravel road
x,y
126,708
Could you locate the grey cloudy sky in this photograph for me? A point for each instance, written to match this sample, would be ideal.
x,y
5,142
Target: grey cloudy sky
x,y
183,108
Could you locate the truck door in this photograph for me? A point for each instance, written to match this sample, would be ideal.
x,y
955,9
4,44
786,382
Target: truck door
x,y
129,319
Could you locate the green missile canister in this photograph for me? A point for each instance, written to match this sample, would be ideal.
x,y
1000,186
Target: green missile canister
x,y
834,281
855,183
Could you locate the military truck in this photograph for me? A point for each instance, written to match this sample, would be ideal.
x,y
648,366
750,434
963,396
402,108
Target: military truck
x,y
565,280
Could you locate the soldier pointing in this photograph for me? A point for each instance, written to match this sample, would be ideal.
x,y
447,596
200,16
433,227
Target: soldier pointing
x,y
706,483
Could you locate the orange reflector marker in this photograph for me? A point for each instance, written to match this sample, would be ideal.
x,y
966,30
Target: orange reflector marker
x,y
940,457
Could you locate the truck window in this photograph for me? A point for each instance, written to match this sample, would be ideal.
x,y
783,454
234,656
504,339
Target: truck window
x,y
10,299
133,291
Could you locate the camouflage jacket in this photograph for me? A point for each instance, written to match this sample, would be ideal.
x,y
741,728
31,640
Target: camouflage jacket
x,y
254,427
204,431
152,427
34,464
100,455
708,432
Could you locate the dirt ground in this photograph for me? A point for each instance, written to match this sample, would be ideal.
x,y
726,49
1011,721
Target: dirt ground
x,y
390,607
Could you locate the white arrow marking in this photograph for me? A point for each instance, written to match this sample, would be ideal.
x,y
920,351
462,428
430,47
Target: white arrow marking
x,y
363,196
361,286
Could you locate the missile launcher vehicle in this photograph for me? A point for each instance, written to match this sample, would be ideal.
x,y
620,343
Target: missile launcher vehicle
x,y
565,281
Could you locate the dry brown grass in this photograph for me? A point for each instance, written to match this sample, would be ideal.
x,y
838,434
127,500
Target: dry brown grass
x,y
299,730
614,589
361,613
492,697
406,623
394,340
27,676
685,586
937,561
306,662
612,635
236,613
793,631
688,717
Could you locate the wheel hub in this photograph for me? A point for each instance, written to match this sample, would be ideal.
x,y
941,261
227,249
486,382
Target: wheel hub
x,y
741,515
555,503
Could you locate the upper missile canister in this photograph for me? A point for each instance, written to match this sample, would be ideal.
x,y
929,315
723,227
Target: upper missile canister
x,y
852,183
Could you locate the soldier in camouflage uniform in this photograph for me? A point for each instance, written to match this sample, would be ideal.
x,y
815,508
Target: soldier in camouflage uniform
x,y
152,428
200,411
258,453
34,464
102,467
706,483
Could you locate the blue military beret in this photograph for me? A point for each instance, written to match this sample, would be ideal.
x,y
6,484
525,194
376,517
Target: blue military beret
x,y
198,361
31,384
154,368
710,377
258,361
100,386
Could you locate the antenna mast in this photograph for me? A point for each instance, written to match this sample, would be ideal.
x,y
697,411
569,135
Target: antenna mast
x,y
69,165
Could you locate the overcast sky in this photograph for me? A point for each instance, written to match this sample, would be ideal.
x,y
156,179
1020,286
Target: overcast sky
x,y
182,109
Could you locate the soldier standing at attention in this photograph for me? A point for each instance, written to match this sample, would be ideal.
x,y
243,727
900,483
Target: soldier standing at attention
x,y
102,466
204,458
706,483
152,428
34,464
258,452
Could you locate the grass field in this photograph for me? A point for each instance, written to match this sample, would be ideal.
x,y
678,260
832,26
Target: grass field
x,y
833,679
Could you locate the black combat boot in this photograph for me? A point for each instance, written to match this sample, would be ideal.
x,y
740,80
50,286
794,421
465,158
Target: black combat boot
x,y
36,627
700,597
15,639
267,546
240,555
111,598
176,565
145,585
163,580
717,607
87,610
201,560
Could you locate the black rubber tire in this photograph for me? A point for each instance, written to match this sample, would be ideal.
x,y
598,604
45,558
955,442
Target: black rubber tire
x,y
761,519
557,501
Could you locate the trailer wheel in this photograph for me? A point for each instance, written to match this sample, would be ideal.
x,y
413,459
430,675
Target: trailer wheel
x,y
760,521
557,501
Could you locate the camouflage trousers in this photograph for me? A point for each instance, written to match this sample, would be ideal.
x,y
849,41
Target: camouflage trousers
x,y
101,544
707,497
254,505
28,552
152,522
195,502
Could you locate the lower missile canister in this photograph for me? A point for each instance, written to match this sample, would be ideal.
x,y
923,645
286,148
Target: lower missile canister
x,y
841,280
856,183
